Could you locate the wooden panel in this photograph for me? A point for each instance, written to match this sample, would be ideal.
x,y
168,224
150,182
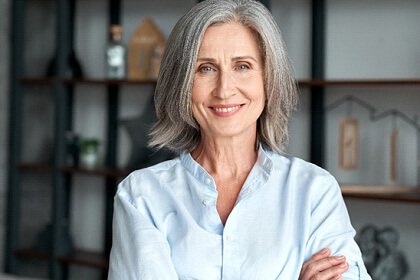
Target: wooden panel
x,y
349,143
394,156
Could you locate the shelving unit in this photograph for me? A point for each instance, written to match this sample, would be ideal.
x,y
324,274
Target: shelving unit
x,y
404,194
62,88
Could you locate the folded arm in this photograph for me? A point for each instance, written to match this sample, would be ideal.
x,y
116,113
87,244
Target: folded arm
x,y
331,228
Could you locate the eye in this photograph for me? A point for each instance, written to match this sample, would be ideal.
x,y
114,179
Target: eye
x,y
242,67
206,69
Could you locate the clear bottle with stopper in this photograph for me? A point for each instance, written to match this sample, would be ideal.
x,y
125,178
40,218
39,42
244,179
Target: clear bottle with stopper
x,y
116,55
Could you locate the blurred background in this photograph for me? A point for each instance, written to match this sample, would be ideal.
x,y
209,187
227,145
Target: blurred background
x,y
68,138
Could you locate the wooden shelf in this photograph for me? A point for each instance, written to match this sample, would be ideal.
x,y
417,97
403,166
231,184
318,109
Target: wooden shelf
x,y
86,258
32,253
42,167
319,83
80,257
107,82
37,80
104,82
104,172
382,193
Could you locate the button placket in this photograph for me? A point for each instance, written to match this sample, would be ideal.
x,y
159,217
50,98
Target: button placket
x,y
231,267
206,200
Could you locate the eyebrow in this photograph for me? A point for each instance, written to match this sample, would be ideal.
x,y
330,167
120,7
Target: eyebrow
x,y
233,59
244,58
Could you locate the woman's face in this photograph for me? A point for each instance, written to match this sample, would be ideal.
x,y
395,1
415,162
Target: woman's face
x,y
228,91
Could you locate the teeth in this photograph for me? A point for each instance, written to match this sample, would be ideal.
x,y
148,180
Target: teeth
x,y
225,110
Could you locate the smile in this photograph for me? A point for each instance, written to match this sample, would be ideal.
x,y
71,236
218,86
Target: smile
x,y
225,110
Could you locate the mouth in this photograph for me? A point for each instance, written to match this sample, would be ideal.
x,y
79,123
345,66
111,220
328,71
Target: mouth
x,y
226,110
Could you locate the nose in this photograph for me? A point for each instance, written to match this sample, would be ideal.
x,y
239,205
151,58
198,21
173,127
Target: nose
x,y
225,85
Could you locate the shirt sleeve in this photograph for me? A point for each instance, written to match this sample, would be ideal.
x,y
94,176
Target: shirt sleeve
x,y
139,249
331,227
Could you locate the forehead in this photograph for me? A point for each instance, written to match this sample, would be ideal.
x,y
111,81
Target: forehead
x,y
229,37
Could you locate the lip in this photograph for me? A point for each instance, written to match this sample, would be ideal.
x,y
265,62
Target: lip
x,y
229,109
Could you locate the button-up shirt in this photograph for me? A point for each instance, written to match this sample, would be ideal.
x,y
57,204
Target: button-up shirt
x,y
166,225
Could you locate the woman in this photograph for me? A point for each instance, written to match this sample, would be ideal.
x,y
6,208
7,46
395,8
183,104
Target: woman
x,y
230,206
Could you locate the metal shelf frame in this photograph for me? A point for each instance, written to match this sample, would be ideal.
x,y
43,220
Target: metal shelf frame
x,y
18,8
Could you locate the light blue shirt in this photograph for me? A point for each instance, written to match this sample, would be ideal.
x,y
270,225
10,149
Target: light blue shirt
x,y
166,225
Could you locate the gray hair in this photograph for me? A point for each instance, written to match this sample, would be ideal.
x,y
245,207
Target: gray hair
x,y
176,127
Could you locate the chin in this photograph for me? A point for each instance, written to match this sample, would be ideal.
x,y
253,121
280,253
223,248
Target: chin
x,y
230,133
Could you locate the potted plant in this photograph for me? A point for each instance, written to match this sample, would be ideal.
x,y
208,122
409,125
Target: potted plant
x,y
89,152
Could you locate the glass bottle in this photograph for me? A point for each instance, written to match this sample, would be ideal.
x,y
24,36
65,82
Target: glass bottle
x,y
115,55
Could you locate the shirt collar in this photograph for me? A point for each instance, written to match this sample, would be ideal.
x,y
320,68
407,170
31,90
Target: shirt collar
x,y
264,164
195,169
264,161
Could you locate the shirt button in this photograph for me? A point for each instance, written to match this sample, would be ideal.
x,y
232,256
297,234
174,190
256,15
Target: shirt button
x,y
205,201
228,238
208,181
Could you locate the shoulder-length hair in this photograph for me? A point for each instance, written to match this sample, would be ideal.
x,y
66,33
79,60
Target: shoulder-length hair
x,y
176,127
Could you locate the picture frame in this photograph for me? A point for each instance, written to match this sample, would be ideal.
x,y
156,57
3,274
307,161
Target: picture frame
x,y
393,172
348,143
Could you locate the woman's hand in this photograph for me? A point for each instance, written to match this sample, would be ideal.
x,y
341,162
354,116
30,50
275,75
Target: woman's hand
x,y
323,267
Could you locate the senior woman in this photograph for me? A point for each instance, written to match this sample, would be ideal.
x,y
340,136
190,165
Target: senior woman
x,y
230,206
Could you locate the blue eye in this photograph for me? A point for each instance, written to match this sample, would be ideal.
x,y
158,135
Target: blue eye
x,y
206,69
242,67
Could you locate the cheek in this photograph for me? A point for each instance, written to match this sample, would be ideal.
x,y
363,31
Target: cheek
x,y
197,93
195,106
260,99
258,92
199,99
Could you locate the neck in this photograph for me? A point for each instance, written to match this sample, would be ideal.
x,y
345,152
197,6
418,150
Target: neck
x,y
230,157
